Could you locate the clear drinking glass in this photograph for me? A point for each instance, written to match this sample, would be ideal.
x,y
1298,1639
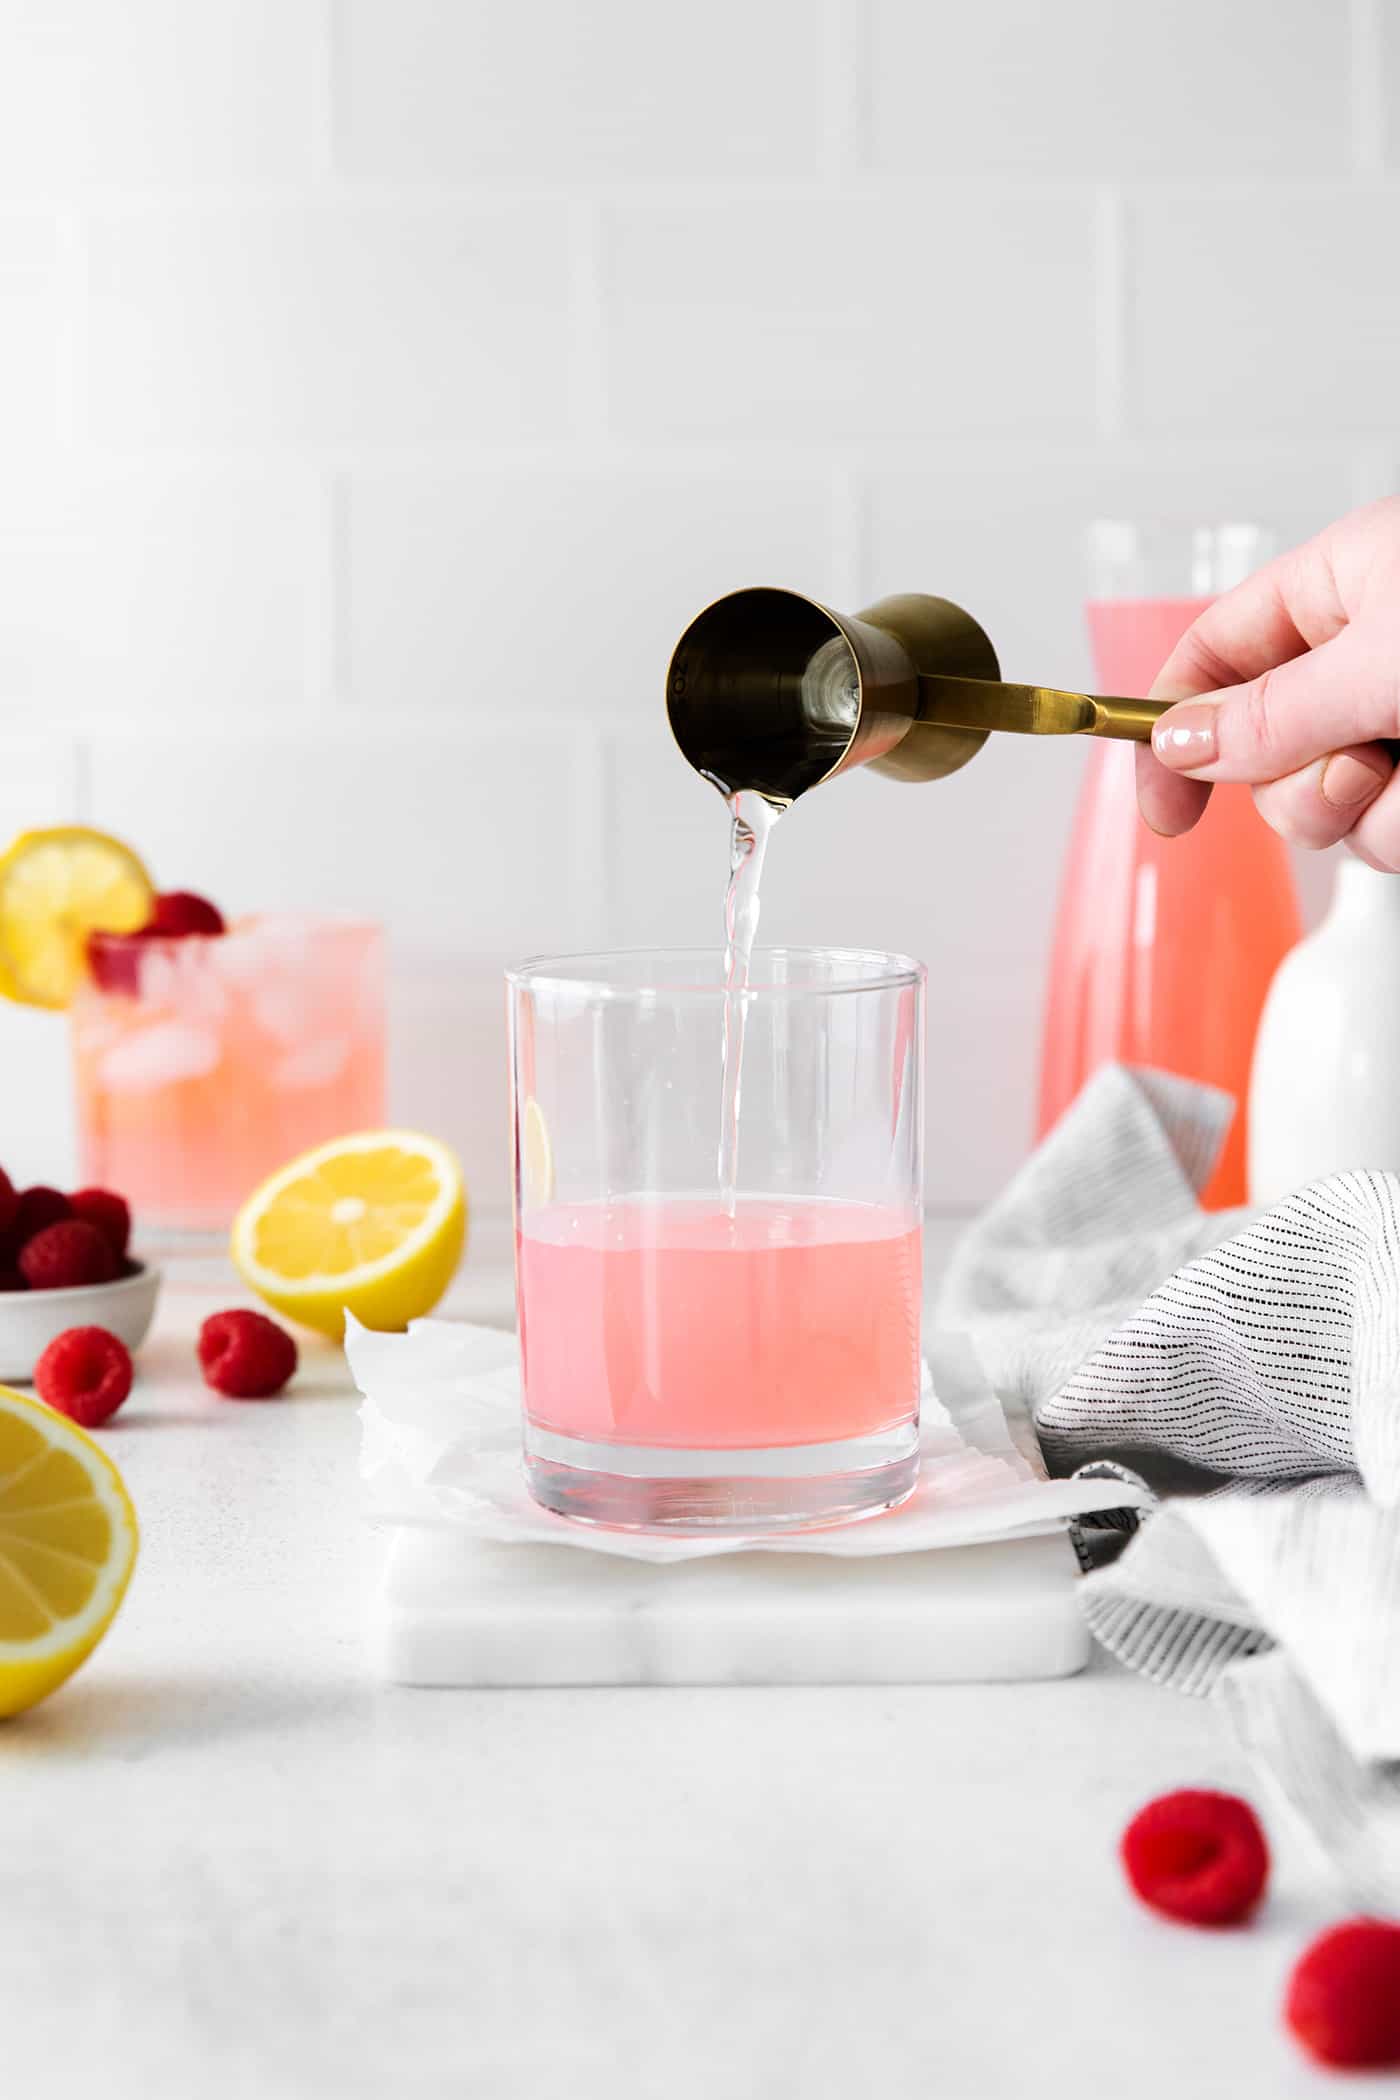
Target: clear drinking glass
x,y
698,1364
203,1063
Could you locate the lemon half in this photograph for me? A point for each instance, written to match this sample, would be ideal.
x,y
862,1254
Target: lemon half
x,y
373,1224
57,887
68,1543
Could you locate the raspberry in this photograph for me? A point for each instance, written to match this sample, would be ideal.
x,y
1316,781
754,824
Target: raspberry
x,y
115,961
66,1254
178,912
1343,2001
9,1201
1198,1857
85,1373
245,1356
37,1208
108,1212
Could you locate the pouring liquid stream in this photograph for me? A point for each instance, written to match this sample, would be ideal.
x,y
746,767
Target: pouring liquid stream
x,y
753,817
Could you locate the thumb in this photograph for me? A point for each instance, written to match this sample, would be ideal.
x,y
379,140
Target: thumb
x,y
1346,692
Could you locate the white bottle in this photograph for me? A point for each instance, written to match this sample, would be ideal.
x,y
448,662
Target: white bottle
x,y
1324,1091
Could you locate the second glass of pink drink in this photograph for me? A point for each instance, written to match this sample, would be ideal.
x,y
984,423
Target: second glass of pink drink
x,y
746,1362
204,1062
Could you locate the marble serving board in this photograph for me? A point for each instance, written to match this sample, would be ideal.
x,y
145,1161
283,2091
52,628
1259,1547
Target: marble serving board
x,y
458,1611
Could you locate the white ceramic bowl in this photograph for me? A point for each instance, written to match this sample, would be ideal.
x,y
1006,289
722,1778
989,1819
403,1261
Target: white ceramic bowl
x,y
29,1320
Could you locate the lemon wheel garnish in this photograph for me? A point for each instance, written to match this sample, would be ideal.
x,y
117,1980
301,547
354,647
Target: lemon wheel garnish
x,y
536,1155
57,887
372,1224
67,1548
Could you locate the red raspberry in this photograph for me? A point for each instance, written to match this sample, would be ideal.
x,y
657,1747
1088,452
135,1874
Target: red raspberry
x,y
115,961
37,1207
66,1254
108,1212
115,958
1343,2001
85,1373
1198,1857
245,1356
9,1201
178,912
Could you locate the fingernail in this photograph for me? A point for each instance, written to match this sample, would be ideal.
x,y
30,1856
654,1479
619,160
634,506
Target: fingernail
x,y
1346,780
1185,738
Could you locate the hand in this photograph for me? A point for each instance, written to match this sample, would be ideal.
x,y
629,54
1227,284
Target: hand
x,y
1292,683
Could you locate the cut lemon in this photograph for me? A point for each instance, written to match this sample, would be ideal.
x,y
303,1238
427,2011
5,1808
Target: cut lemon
x,y
536,1155
67,1548
57,887
372,1224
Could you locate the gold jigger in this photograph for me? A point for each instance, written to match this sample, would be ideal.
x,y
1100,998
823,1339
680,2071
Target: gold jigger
x,y
769,690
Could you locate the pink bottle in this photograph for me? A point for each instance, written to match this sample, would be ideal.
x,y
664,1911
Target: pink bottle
x,y
1164,948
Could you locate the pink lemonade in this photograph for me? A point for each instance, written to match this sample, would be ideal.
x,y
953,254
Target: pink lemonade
x,y
1164,948
1133,637
670,1323
207,1062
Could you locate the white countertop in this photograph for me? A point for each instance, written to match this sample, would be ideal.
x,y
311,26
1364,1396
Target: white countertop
x,y
234,1865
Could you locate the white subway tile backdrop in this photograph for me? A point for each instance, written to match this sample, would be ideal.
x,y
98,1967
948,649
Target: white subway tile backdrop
x,y
383,383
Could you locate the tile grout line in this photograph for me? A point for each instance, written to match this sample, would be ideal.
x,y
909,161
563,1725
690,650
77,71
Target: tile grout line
x,y
1365,97
848,498
81,758
327,642
327,115
587,372
1112,297
70,291
847,112
597,885
710,459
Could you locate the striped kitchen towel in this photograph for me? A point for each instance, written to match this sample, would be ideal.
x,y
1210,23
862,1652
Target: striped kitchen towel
x,y
1247,1366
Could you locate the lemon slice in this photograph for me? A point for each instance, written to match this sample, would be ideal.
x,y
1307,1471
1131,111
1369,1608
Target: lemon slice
x,y
372,1224
67,1548
57,887
536,1155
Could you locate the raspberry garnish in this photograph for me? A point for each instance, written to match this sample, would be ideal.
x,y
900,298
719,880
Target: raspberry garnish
x,y
1197,1856
115,961
1343,2001
115,958
245,1356
9,1201
67,1254
108,1212
178,912
36,1208
85,1373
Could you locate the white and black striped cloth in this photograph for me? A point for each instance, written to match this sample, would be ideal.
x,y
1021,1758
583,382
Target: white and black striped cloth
x,y
1248,1367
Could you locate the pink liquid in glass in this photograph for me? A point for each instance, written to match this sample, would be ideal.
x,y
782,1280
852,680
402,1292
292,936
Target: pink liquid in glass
x,y
219,1059
669,1323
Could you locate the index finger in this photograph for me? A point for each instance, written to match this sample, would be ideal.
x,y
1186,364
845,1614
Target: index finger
x,y
1293,604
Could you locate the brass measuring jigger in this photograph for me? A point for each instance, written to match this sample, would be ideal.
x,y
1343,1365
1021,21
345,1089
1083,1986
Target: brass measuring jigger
x,y
770,691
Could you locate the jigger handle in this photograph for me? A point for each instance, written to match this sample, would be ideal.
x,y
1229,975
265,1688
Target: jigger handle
x,y
1032,710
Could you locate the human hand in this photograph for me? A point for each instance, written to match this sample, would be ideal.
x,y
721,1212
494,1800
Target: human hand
x,y
1291,682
